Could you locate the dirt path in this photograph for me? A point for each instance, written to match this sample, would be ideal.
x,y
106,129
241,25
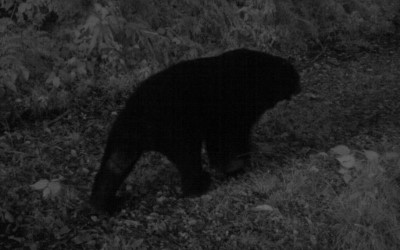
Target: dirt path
x,y
354,102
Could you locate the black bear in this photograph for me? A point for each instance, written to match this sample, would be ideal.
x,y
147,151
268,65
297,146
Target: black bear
x,y
214,100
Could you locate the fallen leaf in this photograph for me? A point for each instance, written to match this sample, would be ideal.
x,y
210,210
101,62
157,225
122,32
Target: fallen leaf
x,y
40,185
264,207
347,161
371,155
340,150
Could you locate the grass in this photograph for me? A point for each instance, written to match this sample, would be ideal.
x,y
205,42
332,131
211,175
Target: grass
x,y
299,194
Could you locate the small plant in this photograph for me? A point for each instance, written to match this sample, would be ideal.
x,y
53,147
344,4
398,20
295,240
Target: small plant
x,y
366,211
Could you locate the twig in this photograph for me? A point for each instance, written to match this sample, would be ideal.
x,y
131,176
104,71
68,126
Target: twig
x,y
57,118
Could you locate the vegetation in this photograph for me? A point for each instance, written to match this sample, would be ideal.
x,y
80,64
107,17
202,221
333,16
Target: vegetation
x,y
66,67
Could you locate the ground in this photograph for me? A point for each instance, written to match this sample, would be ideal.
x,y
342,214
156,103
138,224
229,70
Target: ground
x,y
288,200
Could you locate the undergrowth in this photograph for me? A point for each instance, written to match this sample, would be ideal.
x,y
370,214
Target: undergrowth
x,y
53,51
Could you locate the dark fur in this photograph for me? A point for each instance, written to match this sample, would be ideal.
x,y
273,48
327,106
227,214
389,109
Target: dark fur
x,y
214,100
